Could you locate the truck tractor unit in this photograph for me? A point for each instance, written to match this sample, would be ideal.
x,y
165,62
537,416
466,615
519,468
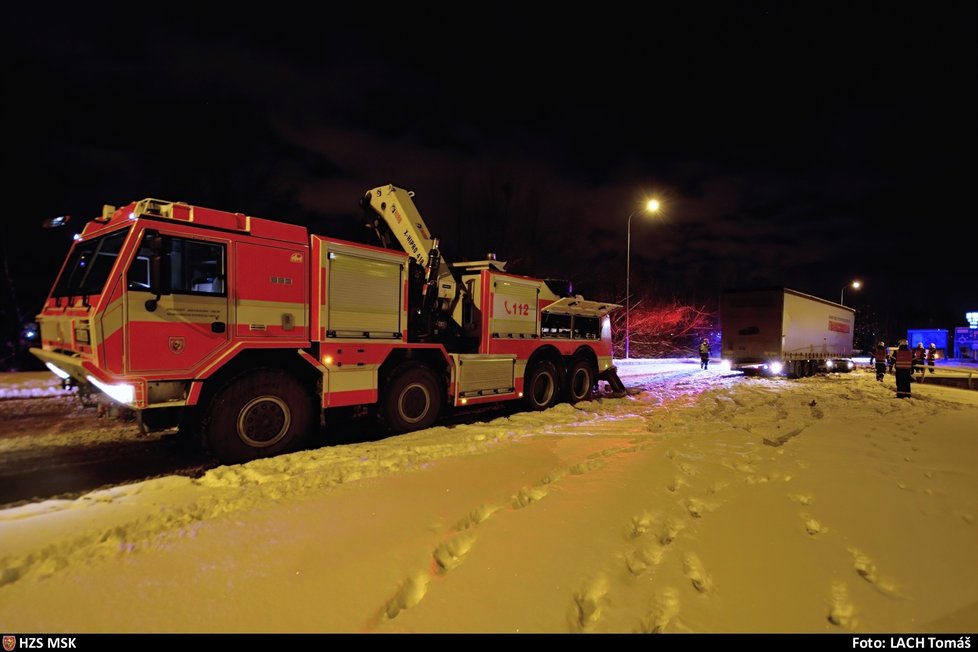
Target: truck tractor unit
x,y
250,334
781,332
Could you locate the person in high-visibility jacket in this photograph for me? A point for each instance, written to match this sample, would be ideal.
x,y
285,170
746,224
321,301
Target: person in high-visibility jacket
x,y
704,353
919,360
904,369
931,356
879,357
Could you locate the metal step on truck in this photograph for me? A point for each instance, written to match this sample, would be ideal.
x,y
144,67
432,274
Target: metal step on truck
x,y
250,334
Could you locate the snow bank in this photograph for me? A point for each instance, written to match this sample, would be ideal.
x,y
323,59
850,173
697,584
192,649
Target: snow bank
x,y
704,503
37,384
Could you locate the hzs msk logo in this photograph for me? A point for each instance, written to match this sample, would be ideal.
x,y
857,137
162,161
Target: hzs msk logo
x,y
9,643
177,344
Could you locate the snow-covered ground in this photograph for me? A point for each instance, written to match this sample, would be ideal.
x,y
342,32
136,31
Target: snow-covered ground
x,y
705,503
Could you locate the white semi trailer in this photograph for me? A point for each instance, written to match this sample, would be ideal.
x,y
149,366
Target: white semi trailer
x,y
777,331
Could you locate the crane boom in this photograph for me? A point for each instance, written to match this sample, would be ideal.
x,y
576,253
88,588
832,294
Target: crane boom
x,y
396,208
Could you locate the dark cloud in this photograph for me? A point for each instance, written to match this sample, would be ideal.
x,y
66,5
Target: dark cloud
x,y
797,146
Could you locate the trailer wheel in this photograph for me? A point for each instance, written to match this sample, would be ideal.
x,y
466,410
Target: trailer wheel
x,y
540,386
264,413
412,399
580,380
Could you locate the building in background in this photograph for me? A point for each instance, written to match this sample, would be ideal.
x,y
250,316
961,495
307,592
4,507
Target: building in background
x,y
966,338
927,335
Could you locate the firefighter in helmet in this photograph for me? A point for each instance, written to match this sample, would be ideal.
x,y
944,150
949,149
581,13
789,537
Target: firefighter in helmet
x,y
919,360
879,357
704,353
904,369
931,356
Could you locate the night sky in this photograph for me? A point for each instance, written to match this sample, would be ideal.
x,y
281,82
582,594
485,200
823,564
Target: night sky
x,y
802,146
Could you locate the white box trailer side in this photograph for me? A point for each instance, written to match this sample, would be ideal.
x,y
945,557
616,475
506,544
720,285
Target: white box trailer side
x,y
779,330
815,329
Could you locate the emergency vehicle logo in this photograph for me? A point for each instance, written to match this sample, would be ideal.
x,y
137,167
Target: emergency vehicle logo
x,y
296,258
9,643
176,345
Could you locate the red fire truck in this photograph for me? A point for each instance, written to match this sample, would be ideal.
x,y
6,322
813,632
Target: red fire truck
x,y
249,333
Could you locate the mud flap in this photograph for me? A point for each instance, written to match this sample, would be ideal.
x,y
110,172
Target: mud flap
x,y
610,376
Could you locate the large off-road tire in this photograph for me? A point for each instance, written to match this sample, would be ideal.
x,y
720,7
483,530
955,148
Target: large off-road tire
x,y
541,387
262,413
412,398
580,381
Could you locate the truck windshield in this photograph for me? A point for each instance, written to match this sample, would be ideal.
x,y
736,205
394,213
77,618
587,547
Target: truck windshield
x,y
89,264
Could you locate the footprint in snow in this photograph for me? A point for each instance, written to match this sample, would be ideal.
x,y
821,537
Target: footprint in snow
x,y
528,496
812,526
665,607
554,476
697,508
449,554
670,530
841,610
676,484
408,595
640,560
801,499
716,487
589,602
866,569
640,525
686,468
693,569
477,515
584,467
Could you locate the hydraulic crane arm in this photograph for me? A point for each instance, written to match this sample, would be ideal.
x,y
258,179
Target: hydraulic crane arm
x,y
396,209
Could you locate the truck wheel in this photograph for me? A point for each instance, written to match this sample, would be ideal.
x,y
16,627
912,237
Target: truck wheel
x,y
261,414
540,386
580,380
412,399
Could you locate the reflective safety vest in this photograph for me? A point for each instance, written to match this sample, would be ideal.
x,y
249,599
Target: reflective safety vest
x,y
880,355
904,359
931,354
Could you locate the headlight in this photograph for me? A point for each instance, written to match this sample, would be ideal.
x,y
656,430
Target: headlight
x,y
121,393
776,368
850,364
58,371
829,364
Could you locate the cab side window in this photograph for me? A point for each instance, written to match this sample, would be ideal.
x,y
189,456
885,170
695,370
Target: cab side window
x,y
196,267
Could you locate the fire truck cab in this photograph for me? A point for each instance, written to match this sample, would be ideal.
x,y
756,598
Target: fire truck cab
x,y
248,332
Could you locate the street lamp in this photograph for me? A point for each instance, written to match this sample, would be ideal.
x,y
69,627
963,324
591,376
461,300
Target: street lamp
x,y
652,206
855,285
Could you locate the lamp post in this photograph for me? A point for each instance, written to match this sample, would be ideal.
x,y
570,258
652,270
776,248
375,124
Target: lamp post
x,y
652,206
855,285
